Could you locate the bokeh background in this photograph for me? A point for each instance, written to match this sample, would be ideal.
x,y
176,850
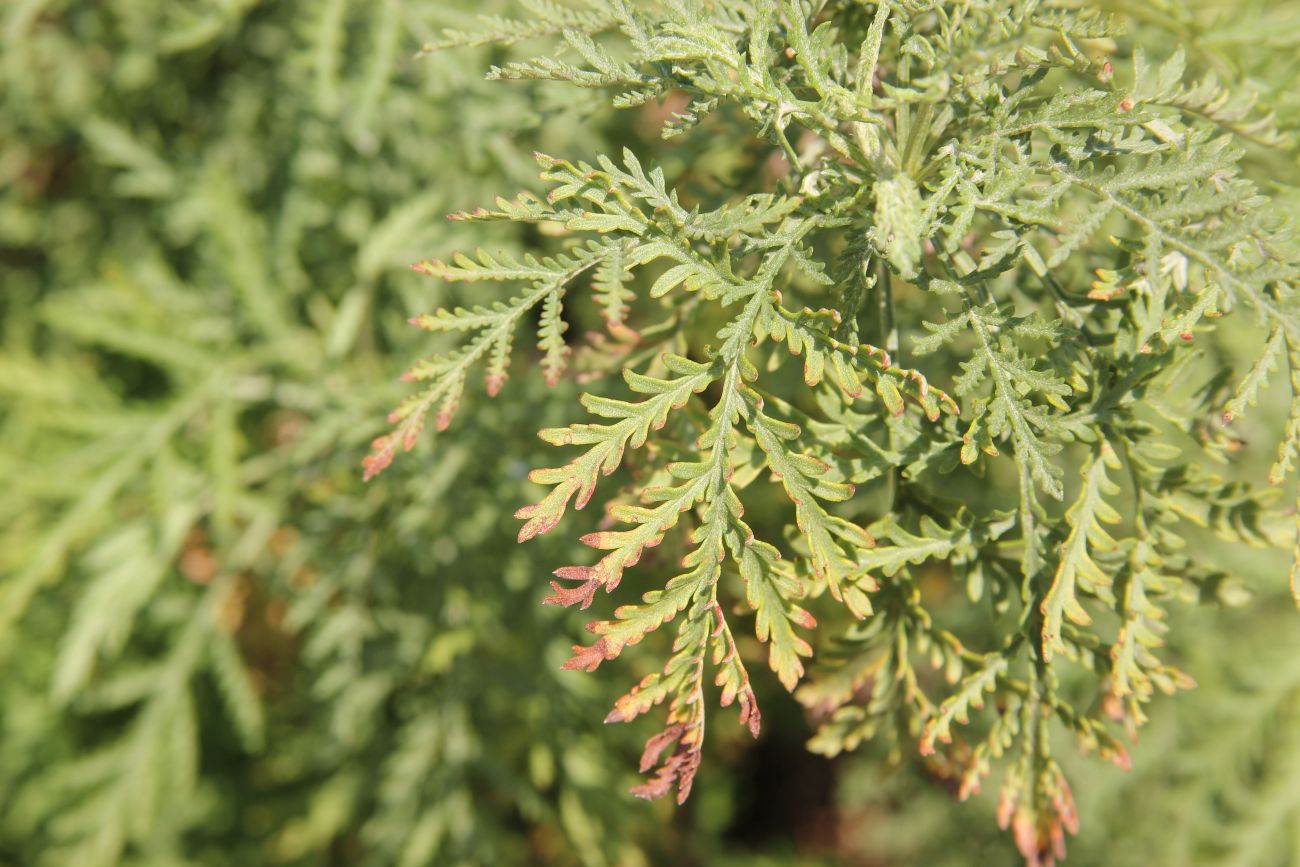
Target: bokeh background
x,y
220,647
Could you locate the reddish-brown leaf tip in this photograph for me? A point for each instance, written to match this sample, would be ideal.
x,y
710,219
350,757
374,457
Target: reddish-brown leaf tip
x,y
587,658
375,464
581,595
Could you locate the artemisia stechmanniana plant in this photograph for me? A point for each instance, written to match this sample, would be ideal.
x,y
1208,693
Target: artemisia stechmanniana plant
x,y
995,245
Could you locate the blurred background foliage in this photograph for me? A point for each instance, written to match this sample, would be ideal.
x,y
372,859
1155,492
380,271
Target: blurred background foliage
x,y
221,648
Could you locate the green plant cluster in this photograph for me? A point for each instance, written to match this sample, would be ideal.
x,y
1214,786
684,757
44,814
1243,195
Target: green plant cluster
x,y
995,243
222,647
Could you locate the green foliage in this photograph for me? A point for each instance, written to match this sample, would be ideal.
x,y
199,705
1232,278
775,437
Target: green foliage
x,y
1058,226
221,648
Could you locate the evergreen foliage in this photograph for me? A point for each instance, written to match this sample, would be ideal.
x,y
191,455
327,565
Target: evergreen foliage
x,y
995,243
220,647
862,361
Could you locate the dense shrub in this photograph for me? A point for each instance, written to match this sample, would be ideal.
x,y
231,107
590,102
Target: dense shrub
x,y
223,648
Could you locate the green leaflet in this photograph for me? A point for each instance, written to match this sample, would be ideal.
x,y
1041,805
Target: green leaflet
x,y
1077,570
897,227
